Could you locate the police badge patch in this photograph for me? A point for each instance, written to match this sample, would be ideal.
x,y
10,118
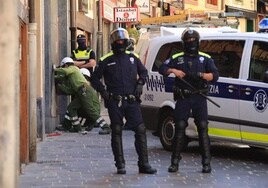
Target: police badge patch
x,y
201,59
131,60
260,100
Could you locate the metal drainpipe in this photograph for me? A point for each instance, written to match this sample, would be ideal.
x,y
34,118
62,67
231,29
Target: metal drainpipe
x,y
73,24
32,82
100,32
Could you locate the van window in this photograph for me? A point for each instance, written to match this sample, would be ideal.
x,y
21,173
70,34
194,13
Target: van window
x,y
258,61
165,52
226,54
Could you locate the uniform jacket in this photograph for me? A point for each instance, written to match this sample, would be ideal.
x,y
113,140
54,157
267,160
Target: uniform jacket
x,y
191,66
120,73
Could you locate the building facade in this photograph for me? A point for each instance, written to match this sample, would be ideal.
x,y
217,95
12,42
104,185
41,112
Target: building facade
x,y
47,31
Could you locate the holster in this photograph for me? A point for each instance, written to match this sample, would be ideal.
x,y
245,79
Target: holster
x,y
177,93
129,98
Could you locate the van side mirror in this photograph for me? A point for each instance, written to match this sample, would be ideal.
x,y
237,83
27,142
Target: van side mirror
x,y
265,77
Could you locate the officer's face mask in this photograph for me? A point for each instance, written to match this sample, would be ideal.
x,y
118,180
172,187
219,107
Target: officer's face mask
x,y
191,46
119,46
81,44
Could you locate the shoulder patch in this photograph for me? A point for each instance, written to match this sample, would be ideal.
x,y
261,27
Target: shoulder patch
x,y
177,55
129,52
204,54
107,55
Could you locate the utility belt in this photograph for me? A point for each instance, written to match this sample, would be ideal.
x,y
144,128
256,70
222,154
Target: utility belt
x,y
185,93
129,98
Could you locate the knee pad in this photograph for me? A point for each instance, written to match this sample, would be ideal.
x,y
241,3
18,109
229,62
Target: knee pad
x,y
202,125
180,125
140,129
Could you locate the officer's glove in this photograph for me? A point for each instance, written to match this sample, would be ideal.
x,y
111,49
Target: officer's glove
x,y
200,75
196,75
105,95
138,90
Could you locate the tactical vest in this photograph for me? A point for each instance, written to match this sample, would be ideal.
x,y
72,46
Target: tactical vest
x,y
82,55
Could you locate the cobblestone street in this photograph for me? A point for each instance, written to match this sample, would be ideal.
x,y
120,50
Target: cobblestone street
x,y
74,160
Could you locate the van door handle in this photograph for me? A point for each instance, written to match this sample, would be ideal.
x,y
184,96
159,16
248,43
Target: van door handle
x,y
231,88
247,90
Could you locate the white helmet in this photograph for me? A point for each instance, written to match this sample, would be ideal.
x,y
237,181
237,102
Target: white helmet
x,y
85,71
66,60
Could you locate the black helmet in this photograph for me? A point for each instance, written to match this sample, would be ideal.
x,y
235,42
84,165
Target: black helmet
x,y
119,34
80,37
190,40
189,33
81,41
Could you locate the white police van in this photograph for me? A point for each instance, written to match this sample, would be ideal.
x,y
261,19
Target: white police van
x,y
241,91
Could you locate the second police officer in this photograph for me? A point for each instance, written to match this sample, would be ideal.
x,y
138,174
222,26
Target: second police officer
x,y
83,55
192,69
124,76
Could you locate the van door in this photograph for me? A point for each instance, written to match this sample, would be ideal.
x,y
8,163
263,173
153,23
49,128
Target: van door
x,y
227,55
254,92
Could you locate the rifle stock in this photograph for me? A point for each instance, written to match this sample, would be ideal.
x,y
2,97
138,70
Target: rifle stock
x,y
203,95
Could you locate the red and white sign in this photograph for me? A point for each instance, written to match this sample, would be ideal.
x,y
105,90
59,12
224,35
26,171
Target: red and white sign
x,y
125,14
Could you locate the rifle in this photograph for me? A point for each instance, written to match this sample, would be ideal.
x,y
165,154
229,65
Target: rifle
x,y
200,93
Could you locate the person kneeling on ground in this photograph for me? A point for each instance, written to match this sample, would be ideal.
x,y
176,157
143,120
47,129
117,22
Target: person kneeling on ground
x,y
85,96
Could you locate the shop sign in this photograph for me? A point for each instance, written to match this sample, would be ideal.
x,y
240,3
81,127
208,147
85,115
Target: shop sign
x,y
125,14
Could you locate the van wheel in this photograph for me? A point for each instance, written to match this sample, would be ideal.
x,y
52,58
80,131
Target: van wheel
x,y
167,130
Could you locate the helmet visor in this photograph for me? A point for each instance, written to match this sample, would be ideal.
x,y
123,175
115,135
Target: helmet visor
x,y
119,34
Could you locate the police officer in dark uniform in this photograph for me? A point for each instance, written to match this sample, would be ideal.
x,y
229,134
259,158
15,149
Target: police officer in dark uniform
x,y
83,55
124,76
197,69
131,44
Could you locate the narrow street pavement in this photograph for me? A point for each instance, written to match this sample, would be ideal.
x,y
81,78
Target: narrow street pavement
x,y
75,160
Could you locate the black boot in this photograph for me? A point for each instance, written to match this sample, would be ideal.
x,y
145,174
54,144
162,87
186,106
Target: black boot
x,y
204,144
174,167
117,148
141,149
75,129
177,145
66,126
89,124
146,168
206,168
121,168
